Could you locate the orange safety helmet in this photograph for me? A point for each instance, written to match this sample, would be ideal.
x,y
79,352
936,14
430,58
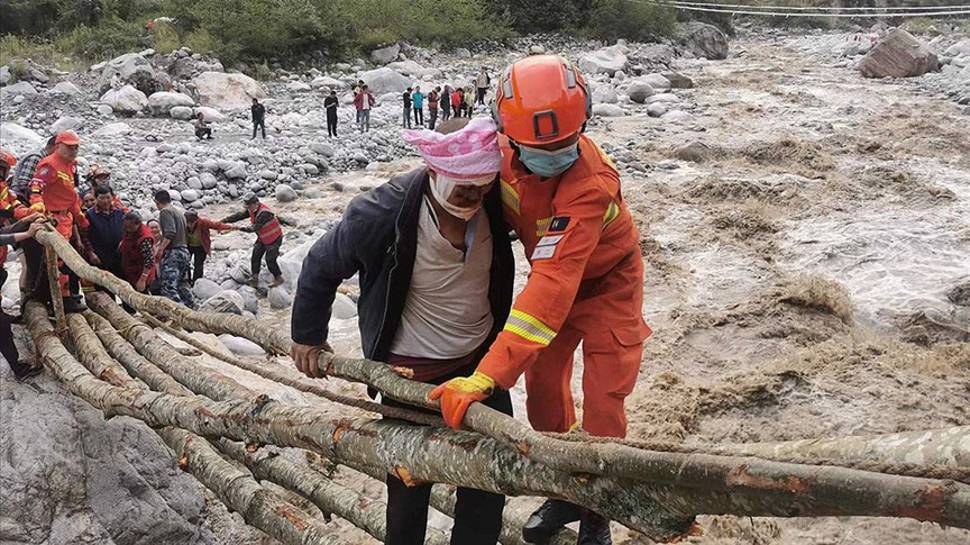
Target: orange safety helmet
x,y
541,99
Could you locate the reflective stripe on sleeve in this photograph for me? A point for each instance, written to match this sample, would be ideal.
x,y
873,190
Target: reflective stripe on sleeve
x,y
529,328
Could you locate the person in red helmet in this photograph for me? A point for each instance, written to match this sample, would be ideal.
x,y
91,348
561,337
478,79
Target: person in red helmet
x,y
561,194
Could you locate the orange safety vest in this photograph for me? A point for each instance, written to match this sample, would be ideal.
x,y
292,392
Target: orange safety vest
x,y
8,200
271,231
576,230
57,189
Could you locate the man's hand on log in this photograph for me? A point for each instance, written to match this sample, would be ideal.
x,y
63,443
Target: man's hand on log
x,y
305,357
458,393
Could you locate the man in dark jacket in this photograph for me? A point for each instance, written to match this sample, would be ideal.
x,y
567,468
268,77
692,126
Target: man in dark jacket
x,y
104,233
198,238
436,269
330,104
259,118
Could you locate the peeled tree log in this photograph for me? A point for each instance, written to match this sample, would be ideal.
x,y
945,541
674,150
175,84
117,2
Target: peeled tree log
x,y
258,506
684,484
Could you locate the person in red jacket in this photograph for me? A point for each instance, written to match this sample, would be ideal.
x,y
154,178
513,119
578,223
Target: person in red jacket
x,y
364,101
562,196
137,250
269,237
198,237
54,182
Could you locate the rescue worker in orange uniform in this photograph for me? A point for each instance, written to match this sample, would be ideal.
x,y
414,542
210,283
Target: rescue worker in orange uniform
x,y
54,186
561,194
7,198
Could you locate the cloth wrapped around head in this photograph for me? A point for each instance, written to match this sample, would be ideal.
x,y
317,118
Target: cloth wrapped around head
x,y
469,154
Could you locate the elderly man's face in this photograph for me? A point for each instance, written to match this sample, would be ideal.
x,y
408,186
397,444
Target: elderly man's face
x,y
66,152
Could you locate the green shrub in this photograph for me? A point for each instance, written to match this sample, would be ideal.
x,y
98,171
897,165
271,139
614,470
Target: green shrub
x,y
108,39
612,19
165,38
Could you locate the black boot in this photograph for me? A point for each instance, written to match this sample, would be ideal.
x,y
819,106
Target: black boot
x,y
594,529
551,517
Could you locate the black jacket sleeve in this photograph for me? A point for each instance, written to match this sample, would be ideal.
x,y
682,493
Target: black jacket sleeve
x,y
331,260
238,216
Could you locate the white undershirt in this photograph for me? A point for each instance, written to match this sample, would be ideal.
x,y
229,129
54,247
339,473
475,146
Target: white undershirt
x,y
447,313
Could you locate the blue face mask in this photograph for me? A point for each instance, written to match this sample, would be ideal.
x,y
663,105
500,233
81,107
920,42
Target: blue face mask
x,y
548,163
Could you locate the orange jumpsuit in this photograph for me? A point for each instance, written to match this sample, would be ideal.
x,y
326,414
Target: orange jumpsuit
x,y
54,186
586,284
9,200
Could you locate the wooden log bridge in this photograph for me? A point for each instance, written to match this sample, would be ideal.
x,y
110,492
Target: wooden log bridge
x,y
119,364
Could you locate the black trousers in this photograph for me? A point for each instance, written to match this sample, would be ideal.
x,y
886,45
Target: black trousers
x,y
37,284
259,124
331,124
272,252
198,261
203,133
113,267
478,514
419,116
432,117
480,96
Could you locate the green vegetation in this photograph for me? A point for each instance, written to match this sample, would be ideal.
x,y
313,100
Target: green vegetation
x,y
253,31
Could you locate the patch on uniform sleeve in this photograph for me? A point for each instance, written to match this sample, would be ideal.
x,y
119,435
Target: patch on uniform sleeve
x,y
550,240
543,252
558,224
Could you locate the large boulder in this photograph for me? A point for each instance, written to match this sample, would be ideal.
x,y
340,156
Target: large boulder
x,y
385,55
66,88
127,101
639,91
66,123
385,80
182,113
327,82
227,91
608,60
133,69
703,40
413,69
72,477
657,81
20,88
285,193
19,139
898,55
210,114
162,102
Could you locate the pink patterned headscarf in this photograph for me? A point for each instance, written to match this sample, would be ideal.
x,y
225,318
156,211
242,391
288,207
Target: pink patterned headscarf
x,y
468,154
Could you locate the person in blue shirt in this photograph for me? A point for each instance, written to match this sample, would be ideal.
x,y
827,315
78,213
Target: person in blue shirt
x,y
418,98
107,226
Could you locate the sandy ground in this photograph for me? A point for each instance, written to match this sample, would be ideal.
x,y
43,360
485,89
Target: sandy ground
x,y
798,254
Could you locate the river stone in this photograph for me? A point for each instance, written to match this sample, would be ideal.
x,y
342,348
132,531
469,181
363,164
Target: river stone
x,y
343,307
279,298
385,55
227,91
225,301
19,139
285,193
162,102
66,88
66,123
899,55
205,289
126,101
703,40
182,113
608,60
639,91
241,346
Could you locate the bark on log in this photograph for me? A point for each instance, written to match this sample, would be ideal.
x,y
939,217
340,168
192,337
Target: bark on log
x,y
946,447
258,506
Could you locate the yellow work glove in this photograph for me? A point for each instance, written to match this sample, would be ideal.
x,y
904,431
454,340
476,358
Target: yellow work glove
x,y
458,393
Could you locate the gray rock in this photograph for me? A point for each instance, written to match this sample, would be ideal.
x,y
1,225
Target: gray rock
x,y
210,114
205,289
961,48
66,123
537,50
608,110
267,175
639,91
240,273
279,298
237,171
608,60
66,88
182,113
413,69
19,139
190,195
309,169
241,346
678,80
656,109
343,307
663,97
898,55
298,87
133,69
5,75
605,94
227,91
21,88
250,297
162,102
194,182
285,193
385,55
676,116
208,180
72,477
113,129
384,80
104,109
326,82
127,100
656,81
225,301
703,40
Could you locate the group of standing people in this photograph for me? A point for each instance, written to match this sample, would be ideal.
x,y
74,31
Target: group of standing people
x,y
444,104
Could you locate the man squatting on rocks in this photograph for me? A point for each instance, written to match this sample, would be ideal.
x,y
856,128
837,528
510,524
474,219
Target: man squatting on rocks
x,y
436,269
269,238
